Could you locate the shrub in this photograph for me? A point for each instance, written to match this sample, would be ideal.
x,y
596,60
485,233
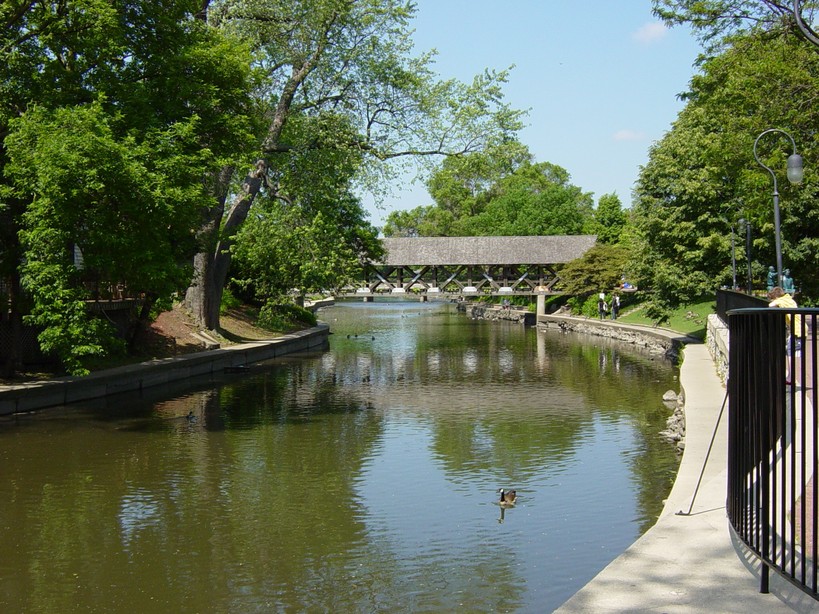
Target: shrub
x,y
275,316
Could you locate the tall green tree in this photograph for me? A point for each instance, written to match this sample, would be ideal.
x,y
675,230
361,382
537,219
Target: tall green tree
x,y
500,191
702,176
463,185
716,21
311,233
600,268
536,199
116,118
350,58
423,221
609,219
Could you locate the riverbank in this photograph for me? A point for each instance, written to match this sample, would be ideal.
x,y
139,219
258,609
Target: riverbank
x,y
32,395
660,341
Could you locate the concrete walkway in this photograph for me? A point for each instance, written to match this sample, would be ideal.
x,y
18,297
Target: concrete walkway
x,y
691,563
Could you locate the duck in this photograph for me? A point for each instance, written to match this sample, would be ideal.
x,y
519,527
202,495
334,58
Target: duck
x,y
507,497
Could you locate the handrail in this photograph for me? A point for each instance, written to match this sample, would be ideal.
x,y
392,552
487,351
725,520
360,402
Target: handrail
x,y
773,441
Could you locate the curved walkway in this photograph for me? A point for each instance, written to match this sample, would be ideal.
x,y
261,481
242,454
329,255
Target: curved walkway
x,y
691,562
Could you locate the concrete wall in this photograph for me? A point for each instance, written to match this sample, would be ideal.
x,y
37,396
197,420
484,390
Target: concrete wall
x,y
63,390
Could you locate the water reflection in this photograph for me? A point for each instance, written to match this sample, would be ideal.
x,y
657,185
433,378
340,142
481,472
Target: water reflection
x,y
364,478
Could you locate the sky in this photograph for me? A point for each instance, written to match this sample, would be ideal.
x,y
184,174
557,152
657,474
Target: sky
x,y
600,79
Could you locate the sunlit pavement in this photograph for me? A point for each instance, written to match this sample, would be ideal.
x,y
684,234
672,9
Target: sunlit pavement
x,y
691,562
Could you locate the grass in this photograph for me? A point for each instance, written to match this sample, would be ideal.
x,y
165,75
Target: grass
x,y
688,319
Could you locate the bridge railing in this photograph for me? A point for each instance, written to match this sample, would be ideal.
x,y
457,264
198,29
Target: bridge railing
x,y
438,292
773,440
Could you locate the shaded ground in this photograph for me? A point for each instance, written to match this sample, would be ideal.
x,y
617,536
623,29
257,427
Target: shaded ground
x,y
173,333
170,334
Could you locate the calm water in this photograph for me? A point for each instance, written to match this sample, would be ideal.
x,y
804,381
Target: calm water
x,y
362,479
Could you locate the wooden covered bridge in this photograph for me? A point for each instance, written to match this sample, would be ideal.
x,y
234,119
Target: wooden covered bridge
x,y
447,266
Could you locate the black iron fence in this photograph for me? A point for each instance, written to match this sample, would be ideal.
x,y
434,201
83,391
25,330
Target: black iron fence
x,y
773,440
733,299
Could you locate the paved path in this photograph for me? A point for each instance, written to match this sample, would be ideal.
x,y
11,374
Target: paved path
x,y
691,563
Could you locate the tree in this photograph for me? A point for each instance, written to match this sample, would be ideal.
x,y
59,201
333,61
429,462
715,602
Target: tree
x,y
311,233
702,176
609,218
350,58
536,199
424,221
716,21
500,191
463,185
279,250
115,117
600,268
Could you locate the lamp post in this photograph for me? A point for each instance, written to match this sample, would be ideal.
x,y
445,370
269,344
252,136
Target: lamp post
x,y
795,173
746,225
733,260
806,30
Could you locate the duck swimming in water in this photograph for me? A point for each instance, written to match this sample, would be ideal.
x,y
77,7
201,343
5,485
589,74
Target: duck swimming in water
x,y
507,497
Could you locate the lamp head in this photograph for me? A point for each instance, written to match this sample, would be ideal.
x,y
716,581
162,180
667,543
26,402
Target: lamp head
x,y
795,170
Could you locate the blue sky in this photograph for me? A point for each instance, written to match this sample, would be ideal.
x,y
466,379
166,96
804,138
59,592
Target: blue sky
x,y
600,79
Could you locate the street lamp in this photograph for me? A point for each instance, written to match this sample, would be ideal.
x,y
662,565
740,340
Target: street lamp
x,y
746,225
795,173
806,30
733,259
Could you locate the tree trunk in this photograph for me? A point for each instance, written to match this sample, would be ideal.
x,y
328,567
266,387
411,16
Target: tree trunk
x,y
13,362
211,267
204,297
200,295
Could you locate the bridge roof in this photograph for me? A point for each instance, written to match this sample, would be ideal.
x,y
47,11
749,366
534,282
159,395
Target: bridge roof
x,y
442,251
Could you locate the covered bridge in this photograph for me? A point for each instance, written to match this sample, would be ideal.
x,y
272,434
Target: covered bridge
x,y
472,265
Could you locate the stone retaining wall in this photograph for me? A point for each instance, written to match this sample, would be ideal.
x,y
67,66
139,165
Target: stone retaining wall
x,y
490,312
717,339
658,341
63,390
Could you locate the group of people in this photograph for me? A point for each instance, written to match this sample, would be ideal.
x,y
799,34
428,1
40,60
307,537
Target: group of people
x,y
603,307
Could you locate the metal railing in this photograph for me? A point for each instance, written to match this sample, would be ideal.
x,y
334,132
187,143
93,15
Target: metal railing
x,y
773,440
733,299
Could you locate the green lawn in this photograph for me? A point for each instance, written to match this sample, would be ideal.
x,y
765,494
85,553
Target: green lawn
x,y
689,319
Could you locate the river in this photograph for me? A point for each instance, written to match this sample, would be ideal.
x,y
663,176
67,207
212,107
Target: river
x,y
360,479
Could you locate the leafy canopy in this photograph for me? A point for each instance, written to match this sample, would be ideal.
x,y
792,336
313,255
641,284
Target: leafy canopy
x,y
114,117
501,192
701,178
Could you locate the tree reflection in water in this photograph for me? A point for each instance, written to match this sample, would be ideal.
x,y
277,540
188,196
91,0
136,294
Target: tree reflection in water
x,y
363,478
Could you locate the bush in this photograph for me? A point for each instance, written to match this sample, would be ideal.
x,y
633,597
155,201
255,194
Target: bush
x,y
275,316
588,306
